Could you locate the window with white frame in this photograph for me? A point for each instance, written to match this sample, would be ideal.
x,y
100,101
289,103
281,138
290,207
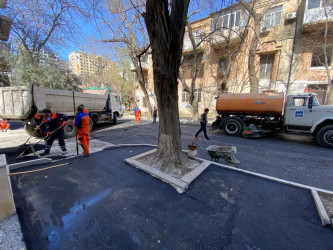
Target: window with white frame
x,y
318,56
272,17
227,21
186,95
266,66
313,4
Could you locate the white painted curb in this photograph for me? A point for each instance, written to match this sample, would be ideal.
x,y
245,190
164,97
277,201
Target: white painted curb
x,y
325,220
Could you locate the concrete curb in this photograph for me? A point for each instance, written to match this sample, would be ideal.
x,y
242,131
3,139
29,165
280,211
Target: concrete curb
x,y
179,184
29,163
270,178
325,220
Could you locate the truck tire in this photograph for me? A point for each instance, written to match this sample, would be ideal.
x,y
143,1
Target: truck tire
x,y
69,129
115,118
325,136
232,126
30,129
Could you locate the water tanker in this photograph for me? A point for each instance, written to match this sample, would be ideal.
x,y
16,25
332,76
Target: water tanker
x,y
269,103
256,114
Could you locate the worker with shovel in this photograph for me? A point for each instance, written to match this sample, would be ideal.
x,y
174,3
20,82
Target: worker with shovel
x,y
83,129
54,123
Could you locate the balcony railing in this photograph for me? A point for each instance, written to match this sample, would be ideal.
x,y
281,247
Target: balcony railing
x,y
223,36
187,46
318,15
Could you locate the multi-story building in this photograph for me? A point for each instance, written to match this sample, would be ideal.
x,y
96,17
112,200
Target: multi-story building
x,y
290,54
48,57
81,63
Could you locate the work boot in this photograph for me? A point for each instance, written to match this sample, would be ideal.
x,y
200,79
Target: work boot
x,y
45,153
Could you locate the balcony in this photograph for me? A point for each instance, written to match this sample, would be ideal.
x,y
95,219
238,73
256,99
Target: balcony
x,y
317,16
223,36
144,65
187,46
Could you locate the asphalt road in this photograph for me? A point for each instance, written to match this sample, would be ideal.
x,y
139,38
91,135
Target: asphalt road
x,y
101,203
291,157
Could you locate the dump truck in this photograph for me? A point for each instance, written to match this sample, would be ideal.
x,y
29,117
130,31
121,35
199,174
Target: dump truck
x,y
256,114
23,102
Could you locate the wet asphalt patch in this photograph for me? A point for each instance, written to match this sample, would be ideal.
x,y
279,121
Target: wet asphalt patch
x,y
100,203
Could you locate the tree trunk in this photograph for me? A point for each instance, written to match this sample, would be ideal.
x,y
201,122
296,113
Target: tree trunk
x,y
166,33
254,81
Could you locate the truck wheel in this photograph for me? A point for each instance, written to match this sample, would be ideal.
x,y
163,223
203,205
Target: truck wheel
x,y
325,136
30,129
114,118
232,127
69,129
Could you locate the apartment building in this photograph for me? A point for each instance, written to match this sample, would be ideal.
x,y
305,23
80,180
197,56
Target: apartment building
x,y
289,55
81,63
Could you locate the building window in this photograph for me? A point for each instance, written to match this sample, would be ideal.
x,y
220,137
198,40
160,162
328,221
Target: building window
x,y
313,4
197,95
144,59
186,95
227,21
223,67
272,17
318,56
187,71
266,66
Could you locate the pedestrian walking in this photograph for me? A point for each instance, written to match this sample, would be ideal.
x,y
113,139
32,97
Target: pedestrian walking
x,y
154,113
54,123
137,113
83,129
203,124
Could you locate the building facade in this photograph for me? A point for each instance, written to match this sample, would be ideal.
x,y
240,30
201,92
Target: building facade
x,y
294,52
81,63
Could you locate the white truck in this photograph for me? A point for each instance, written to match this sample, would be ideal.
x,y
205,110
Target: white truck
x,y
256,114
22,103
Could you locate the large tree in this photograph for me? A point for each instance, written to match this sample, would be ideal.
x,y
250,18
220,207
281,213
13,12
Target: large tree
x,y
166,26
125,26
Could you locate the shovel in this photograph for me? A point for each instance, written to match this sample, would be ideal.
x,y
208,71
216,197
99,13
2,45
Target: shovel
x,y
24,144
30,148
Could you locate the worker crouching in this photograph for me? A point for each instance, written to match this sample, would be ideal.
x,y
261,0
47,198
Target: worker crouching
x,y
83,129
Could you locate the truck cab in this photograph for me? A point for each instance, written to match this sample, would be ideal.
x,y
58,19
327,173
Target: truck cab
x,y
303,113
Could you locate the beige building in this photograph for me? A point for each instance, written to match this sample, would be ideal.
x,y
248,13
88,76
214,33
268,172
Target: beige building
x,y
81,63
289,56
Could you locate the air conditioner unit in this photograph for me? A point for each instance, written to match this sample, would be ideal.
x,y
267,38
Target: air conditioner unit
x,y
291,16
264,29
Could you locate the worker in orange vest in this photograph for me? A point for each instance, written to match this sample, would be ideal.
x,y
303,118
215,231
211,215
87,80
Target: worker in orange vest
x,y
54,123
84,110
137,113
83,129
4,125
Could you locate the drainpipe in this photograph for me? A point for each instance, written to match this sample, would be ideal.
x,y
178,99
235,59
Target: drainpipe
x,y
293,50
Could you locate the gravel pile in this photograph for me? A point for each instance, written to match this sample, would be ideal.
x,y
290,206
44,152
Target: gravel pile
x,y
10,234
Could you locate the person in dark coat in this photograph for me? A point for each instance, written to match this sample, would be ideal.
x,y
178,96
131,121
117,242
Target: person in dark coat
x,y
53,122
203,124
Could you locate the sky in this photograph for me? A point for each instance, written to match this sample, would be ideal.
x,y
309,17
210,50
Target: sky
x,y
90,38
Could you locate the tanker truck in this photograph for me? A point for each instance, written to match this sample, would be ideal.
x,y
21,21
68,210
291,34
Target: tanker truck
x,y
22,103
256,114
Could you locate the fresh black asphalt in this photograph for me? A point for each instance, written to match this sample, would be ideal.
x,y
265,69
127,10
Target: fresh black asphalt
x,y
100,203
